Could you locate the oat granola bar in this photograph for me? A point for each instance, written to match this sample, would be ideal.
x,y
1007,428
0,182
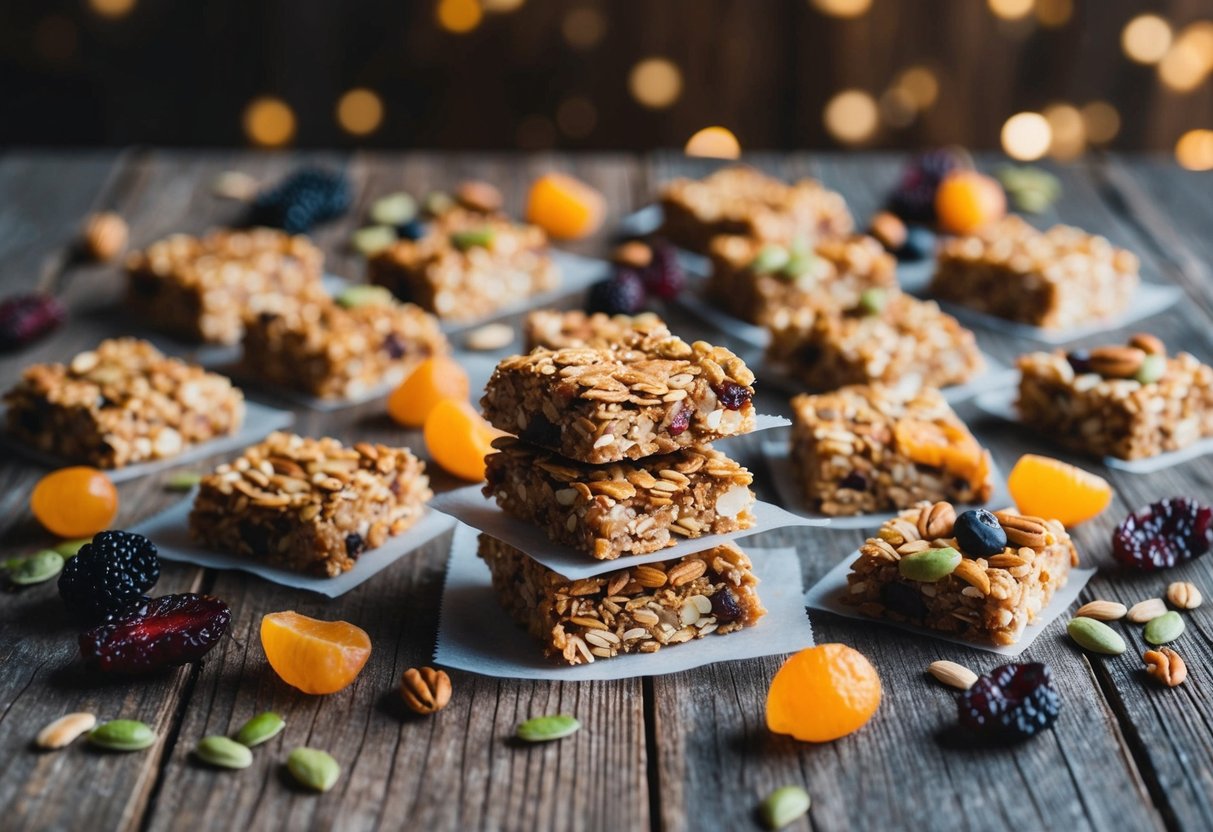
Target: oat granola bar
x,y
870,448
121,403
1054,279
649,396
761,282
621,508
326,350
467,265
742,200
635,610
897,340
556,330
1108,402
205,288
986,599
309,505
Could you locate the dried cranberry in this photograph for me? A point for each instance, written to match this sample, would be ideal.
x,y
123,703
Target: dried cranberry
x,y
903,599
680,422
732,395
1080,361
1161,535
1011,702
725,606
854,481
170,631
394,345
26,318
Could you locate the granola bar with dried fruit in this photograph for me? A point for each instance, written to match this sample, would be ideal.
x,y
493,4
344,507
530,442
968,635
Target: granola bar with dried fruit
x,y
309,505
1128,401
639,609
1057,278
862,449
888,338
621,508
468,264
206,288
121,403
556,330
651,395
742,200
989,597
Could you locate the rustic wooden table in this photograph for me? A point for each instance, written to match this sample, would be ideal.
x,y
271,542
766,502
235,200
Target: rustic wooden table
x,y
685,751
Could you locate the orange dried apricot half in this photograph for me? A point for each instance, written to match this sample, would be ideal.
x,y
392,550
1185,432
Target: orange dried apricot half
x,y
564,207
823,693
312,655
458,438
941,445
1046,487
75,502
967,201
433,380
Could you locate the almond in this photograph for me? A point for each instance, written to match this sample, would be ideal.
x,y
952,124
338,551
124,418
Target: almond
x,y
1102,611
1146,611
1117,362
952,674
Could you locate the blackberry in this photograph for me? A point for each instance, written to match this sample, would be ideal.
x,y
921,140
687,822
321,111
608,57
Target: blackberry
x,y
622,294
1163,534
304,199
664,277
914,197
1012,702
109,575
169,631
26,318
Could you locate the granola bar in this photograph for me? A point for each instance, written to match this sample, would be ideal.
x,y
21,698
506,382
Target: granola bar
x,y
467,265
121,403
742,200
893,339
206,288
1057,278
622,508
635,610
326,350
648,396
1109,401
761,282
555,330
986,599
870,448
309,505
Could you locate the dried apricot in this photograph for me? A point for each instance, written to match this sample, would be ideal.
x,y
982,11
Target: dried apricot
x,y
564,207
313,655
433,380
459,439
823,693
967,201
75,502
942,445
1045,487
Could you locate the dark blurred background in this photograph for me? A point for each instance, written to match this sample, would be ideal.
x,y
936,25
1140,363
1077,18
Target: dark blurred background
x,y
1036,77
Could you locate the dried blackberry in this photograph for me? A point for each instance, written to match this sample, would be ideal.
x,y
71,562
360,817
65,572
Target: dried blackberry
x,y
1163,534
664,277
914,198
304,199
622,294
1012,702
170,631
26,318
109,575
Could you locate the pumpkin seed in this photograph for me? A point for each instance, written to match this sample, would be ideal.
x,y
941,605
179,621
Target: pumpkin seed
x,y
313,768
472,237
769,259
800,264
929,565
364,295
1166,628
872,301
1096,636
1153,367
393,209
438,203
784,805
371,240
71,548
545,728
259,729
38,567
222,752
183,481
122,735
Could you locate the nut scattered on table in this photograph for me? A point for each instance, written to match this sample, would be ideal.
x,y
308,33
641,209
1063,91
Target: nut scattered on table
x,y
234,184
65,730
1184,595
489,337
105,236
1166,666
1148,610
425,689
1102,611
952,674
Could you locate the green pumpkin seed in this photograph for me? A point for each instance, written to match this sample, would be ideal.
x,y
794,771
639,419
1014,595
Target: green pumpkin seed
x,y
769,259
1153,367
800,264
545,728
38,567
784,805
1164,629
929,565
183,481
222,752
313,768
261,728
122,735
356,296
438,203
1096,636
872,301
372,239
472,237
393,209
71,548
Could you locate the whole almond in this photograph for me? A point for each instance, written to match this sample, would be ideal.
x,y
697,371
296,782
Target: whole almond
x,y
105,236
65,730
1116,362
1148,610
489,337
425,689
1165,665
1102,611
1184,595
952,674
1147,343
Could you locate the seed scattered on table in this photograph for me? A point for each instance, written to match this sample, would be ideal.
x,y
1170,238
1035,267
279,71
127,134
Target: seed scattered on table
x,y
122,735
261,728
1096,636
1164,629
313,768
546,728
784,805
222,752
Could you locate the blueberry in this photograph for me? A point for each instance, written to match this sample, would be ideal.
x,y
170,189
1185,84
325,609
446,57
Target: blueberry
x,y
1080,361
855,481
979,533
414,229
919,244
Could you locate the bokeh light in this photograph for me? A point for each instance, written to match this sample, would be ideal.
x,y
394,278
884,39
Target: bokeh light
x,y
458,16
111,8
502,6
1146,38
269,122
583,27
851,116
714,143
655,82
1053,14
897,108
842,8
576,116
1194,150
1102,121
1011,9
1190,59
1069,132
360,112
1026,136
921,84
